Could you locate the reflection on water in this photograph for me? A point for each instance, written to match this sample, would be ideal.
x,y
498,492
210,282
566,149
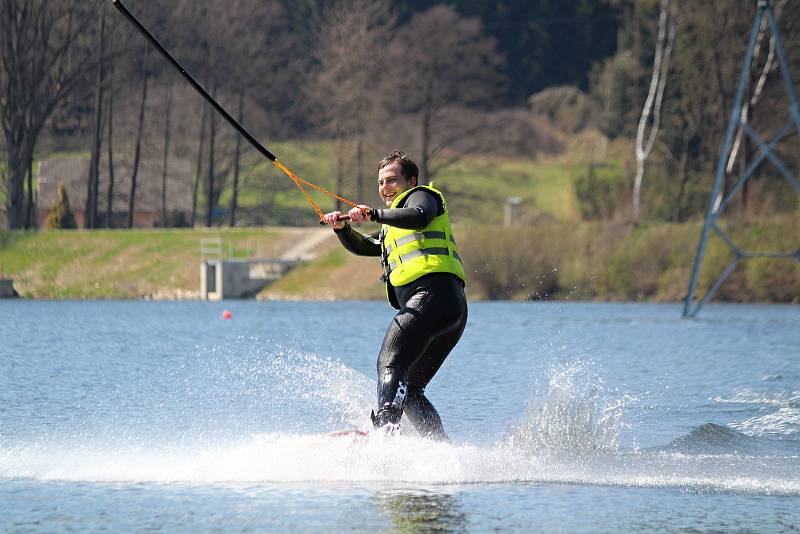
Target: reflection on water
x,y
422,511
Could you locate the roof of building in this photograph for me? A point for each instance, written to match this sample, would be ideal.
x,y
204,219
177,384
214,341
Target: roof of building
x,y
73,172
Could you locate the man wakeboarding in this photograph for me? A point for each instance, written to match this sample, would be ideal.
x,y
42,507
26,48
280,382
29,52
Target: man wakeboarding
x,y
424,281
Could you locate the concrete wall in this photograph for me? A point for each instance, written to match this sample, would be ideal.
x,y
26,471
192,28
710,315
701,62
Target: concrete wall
x,y
7,288
233,279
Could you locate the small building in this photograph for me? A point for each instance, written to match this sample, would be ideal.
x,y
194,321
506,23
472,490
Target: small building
x,y
73,173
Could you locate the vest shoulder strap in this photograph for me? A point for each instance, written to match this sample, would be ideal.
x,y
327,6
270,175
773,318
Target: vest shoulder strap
x,y
435,192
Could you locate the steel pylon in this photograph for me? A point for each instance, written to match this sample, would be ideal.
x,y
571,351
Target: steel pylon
x,y
716,206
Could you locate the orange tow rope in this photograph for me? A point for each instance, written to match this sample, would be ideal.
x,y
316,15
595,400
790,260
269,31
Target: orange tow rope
x,y
299,182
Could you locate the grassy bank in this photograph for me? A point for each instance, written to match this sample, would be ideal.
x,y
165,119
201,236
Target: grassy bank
x,y
119,263
547,259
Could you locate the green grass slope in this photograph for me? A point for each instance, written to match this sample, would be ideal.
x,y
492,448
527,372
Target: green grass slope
x,y
118,263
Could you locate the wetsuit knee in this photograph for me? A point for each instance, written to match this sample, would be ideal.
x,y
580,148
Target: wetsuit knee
x,y
392,388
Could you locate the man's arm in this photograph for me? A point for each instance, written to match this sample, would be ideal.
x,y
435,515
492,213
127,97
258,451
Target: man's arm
x,y
419,210
358,243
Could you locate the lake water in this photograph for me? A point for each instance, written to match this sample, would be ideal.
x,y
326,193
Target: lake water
x,y
563,417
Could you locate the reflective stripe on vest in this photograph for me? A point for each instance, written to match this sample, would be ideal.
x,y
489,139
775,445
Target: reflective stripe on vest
x,y
423,252
419,236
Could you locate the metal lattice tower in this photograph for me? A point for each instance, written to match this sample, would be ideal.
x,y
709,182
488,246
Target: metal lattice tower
x,y
766,151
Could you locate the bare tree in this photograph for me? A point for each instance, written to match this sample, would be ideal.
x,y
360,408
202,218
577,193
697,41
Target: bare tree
x,y
110,144
652,105
447,63
201,143
352,51
192,49
252,59
29,202
43,57
167,134
236,163
238,50
92,192
137,151
211,183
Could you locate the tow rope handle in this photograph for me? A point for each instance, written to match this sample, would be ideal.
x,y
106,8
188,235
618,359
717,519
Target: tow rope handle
x,y
342,218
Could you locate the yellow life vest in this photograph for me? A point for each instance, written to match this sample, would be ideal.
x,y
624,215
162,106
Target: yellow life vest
x,y
408,254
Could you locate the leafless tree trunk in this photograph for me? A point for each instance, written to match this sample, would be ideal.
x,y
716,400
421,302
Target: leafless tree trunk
x,y
743,160
340,171
93,185
167,134
684,170
138,150
236,163
360,168
652,104
199,163
110,195
606,112
212,140
29,206
425,133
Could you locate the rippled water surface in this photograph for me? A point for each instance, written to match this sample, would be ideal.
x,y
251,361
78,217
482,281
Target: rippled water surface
x,y
563,417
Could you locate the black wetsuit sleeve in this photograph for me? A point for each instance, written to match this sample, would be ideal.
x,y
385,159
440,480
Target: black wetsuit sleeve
x,y
358,243
418,211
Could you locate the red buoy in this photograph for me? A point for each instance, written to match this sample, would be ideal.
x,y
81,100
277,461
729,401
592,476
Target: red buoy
x,y
227,315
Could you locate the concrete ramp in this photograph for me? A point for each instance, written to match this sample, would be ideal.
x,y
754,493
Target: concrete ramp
x,y
307,248
244,278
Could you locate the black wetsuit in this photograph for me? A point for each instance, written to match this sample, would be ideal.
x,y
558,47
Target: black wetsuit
x,y
431,318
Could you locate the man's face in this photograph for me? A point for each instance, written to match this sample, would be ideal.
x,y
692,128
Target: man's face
x,y
391,183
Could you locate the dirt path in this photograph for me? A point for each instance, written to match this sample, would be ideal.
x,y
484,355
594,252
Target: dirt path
x,y
308,246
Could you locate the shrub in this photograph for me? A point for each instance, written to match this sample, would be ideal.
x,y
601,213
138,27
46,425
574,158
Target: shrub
x,y
600,191
518,263
517,133
566,106
60,215
640,266
773,280
616,261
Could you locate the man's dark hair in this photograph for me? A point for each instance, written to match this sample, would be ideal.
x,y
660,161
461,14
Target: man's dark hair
x,y
408,168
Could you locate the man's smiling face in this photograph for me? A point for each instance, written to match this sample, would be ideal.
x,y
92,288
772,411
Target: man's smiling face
x,y
391,182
